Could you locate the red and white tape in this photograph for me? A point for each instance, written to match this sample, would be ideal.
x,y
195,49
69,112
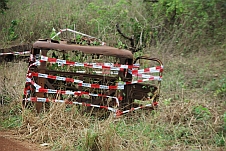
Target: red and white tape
x,y
146,70
38,88
99,72
118,86
107,66
15,53
144,76
76,32
117,112
39,99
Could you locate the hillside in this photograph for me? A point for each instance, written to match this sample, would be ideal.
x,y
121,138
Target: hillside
x,y
188,36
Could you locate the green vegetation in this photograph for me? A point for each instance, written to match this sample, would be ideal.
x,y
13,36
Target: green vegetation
x,y
3,6
188,36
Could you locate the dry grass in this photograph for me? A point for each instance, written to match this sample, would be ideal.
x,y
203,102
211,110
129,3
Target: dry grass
x,y
189,116
11,81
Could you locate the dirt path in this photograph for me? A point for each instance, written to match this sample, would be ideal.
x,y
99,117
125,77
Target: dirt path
x,y
11,142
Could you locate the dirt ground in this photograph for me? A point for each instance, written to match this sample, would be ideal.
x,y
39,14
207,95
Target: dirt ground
x,y
10,142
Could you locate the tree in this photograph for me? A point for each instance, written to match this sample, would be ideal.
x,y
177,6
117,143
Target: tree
x,y
3,5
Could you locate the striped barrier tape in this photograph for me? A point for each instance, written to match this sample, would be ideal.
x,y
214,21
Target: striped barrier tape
x,y
76,32
146,70
117,112
118,86
27,87
144,76
76,93
99,72
108,66
39,99
15,53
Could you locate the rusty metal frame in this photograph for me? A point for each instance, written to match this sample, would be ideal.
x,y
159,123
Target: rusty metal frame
x,y
99,50
125,57
12,49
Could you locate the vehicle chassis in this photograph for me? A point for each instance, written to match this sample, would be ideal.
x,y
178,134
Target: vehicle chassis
x,y
126,96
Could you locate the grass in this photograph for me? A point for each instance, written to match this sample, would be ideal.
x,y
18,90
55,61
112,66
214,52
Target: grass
x,y
189,116
191,113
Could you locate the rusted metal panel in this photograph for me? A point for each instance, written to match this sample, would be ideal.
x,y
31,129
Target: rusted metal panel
x,y
100,50
128,95
41,82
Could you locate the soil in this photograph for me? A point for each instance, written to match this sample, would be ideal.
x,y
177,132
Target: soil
x,y
11,142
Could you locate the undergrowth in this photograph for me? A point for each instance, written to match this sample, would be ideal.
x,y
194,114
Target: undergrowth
x,y
191,113
167,24
189,116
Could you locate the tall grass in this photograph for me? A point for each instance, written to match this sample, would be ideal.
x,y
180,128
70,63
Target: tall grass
x,y
191,112
189,116
150,23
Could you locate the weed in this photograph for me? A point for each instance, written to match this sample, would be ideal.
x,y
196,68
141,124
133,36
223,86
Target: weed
x,y
201,112
221,90
220,140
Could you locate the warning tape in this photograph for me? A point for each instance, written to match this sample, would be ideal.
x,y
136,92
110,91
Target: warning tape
x,y
147,70
15,53
115,72
118,86
39,99
119,112
108,66
76,93
147,76
116,111
99,72
76,32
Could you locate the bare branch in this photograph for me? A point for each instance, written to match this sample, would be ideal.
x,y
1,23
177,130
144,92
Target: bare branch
x,y
153,1
132,41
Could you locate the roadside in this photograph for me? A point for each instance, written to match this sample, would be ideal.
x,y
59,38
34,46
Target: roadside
x,y
9,141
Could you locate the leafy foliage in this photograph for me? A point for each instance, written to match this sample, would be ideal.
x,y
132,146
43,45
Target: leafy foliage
x,y
221,90
177,23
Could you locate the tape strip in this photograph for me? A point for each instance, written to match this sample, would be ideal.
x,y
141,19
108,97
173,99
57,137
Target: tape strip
x,y
118,86
117,112
78,93
76,32
108,66
114,67
38,99
99,72
15,53
146,70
